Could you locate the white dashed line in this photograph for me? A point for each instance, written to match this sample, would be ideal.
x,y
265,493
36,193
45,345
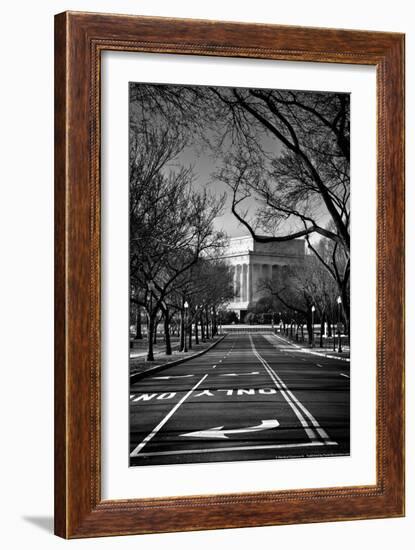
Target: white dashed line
x,y
345,375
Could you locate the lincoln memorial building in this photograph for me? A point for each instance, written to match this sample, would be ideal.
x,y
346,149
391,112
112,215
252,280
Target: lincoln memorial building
x,y
253,262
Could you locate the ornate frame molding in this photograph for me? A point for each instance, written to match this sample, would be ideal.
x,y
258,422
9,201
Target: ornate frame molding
x,y
79,40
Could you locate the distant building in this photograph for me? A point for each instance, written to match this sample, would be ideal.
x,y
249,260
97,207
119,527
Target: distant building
x,y
253,261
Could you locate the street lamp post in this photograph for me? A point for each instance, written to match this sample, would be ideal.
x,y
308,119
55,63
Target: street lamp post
x,y
339,304
186,307
313,309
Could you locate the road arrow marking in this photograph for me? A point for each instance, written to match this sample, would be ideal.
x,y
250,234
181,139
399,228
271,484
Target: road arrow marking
x,y
168,377
241,374
220,433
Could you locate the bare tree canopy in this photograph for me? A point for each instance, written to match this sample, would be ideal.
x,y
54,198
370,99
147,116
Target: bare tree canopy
x,y
283,155
288,149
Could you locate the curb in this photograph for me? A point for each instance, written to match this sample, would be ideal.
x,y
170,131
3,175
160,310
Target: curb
x,y
137,376
160,352
313,352
326,355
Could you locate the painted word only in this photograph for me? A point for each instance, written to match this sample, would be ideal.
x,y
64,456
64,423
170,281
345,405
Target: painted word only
x,y
204,393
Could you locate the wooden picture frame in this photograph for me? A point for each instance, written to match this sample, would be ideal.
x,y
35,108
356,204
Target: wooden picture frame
x,y
79,40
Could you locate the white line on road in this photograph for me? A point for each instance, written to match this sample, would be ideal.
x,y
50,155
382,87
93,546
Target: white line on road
x,y
345,375
161,424
318,365
240,374
291,402
245,448
323,434
220,433
175,376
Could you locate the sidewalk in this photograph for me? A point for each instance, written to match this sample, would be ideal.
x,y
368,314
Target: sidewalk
x,y
138,364
140,348
322,352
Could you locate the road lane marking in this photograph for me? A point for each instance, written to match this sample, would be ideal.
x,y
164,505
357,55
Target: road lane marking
x,y
143,397
219,433
166,418
322,433
303,350
240,374
244,448
309,431
238,392
175,376
274,337
345,375
205,393
318,365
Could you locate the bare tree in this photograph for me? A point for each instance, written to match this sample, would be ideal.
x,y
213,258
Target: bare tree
x,y
171,225
297,288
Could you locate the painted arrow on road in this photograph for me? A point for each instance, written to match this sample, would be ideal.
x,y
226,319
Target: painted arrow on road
x,y
241,374
168,377
220,433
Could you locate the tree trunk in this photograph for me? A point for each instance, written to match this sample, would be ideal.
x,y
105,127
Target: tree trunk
x,y
189,328
202,327
138,332
207,324
214,326
196,330
181,348
321,330
150,336
167,332
309,330
345,309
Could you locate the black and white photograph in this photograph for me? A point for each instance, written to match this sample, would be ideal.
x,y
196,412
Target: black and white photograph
x,y
239,274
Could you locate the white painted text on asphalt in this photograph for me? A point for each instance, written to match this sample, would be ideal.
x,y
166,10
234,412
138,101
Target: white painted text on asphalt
x,y
204,393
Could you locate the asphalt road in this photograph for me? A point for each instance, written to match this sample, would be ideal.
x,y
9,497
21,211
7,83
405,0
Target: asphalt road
x,y
252,397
